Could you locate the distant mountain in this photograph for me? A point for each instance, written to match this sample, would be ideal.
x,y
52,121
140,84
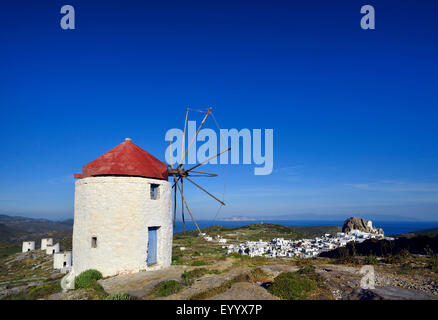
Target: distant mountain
x,y
424,232
334,217
419,244
237,218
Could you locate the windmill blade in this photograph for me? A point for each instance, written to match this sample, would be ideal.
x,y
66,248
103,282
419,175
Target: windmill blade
x,y
222,203
191,142
203,175
184,136
174,184
200,164
182,204
187,206
170,150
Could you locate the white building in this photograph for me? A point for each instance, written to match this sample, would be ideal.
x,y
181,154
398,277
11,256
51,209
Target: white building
x,y
28,246
122,213
52,249
46,242
62,260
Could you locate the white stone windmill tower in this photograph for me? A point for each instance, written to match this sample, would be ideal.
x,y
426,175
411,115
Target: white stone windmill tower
x,y
123,211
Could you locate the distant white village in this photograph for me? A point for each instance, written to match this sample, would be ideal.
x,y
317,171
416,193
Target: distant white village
x,y
278,247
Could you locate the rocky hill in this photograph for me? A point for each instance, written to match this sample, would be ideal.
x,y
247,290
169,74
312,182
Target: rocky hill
x,y
429,232
264,231
355,223
201,270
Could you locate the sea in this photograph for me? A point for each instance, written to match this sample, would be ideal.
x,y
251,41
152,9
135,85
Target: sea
x,y
389,227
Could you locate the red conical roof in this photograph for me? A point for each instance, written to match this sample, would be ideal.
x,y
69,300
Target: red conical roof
x,y
126,159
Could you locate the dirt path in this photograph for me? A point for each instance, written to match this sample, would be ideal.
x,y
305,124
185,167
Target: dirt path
x,y
344,283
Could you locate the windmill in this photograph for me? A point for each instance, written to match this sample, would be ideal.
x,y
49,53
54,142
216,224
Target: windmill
x,y
179,173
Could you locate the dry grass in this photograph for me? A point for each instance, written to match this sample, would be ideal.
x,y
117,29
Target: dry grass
x,y
256,275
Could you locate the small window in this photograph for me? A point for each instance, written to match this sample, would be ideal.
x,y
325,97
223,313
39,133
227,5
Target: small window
x,y
154,191
94,242
65,264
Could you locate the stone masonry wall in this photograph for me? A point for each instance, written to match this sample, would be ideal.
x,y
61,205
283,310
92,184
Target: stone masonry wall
x,y
118,211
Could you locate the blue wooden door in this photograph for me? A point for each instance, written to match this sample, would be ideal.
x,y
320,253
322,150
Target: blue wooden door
x,y
152,245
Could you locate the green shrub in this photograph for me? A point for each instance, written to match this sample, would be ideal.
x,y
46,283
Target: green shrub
x,y
187,278
310,272
257,275
370,260
37,292
119,296
239,255
166,288
87,278
291,286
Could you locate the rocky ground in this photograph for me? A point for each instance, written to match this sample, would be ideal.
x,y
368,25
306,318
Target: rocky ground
x,y
344,282
23,272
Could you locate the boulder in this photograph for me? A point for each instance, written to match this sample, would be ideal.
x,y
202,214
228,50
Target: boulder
x,y
355,223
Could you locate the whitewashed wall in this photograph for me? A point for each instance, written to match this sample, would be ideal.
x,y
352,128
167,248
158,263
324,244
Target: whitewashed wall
x,y
118,211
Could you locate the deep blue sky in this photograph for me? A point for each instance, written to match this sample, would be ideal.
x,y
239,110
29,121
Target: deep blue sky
x,y
354,112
